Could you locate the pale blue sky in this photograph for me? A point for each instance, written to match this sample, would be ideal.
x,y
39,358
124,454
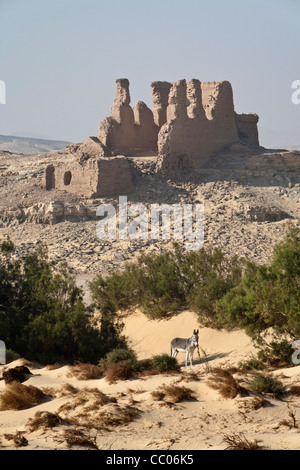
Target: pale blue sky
x,y
60,58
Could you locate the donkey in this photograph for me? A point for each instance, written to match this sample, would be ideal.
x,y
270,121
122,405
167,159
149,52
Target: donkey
x,y
185,345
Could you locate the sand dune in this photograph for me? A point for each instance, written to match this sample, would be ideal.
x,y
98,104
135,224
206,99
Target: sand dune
x,y
148,338
200,423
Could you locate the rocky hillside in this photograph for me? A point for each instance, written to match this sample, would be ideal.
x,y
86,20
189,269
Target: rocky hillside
x,y
247,202
30,146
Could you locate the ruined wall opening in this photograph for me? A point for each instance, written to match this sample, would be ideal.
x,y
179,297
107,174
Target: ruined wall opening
x,y
67,178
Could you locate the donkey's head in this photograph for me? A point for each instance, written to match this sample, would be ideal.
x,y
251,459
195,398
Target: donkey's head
x,y
195,338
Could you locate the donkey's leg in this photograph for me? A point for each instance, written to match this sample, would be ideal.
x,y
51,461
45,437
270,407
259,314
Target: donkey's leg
x,y
174,352
191,355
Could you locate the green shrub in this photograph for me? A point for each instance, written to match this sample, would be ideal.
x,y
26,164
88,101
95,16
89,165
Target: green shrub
x,y
165,363
162,284
118,355
42,313
252,363
266,384
278,354
209,275
268,296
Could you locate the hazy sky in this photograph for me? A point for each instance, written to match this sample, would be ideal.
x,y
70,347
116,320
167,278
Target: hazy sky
x,y
60,58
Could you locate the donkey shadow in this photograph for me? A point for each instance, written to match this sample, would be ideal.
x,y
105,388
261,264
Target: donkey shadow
x,y
204,359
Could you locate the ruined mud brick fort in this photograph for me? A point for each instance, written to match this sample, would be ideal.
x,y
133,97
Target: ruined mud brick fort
x,y
189,122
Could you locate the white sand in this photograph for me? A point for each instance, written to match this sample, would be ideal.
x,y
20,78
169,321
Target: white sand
x,y
201,423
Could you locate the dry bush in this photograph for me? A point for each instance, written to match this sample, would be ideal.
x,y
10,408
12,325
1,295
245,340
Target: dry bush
x,y
18,439
66,390
44,420
91,408
90,398
17,396
63,391
118,371
77,437
173,393
114,415
223,381
84,371
239,442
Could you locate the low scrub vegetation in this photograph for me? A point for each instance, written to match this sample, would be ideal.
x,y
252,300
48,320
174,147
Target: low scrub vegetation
x,y
121,364
238,442
162,284
17,396
223,381
266,384
44,420
173,393
225,292
42,313
165,363
84,371
43,316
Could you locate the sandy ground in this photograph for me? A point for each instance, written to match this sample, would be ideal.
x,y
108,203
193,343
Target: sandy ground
x,y
200,423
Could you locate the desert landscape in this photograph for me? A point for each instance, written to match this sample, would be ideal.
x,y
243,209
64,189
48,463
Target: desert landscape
x,y
149,228
248,196
133,414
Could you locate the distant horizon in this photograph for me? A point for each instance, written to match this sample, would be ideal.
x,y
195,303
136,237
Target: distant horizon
x,y
269,143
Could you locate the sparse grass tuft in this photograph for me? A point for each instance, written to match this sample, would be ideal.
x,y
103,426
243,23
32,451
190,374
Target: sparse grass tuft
x,y
17,396
173,393
238,442
76,437
84,371
223,381
44,420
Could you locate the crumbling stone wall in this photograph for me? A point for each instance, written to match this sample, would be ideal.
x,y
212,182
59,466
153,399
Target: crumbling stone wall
x,y
189,122
90,172
200,121
128,130
247,128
